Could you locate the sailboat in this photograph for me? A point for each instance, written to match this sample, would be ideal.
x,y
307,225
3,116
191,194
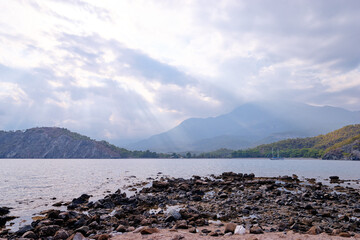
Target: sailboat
x,y
275,157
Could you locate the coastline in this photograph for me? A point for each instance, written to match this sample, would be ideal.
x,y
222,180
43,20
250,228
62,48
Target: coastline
x,y
271,206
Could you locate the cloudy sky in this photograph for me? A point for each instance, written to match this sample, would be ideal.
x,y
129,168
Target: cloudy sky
x,y
124,70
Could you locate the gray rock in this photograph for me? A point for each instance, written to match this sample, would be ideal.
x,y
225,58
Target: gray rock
x,y
172,215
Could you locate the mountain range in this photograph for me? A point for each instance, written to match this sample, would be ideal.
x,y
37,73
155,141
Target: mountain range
x,y
249,125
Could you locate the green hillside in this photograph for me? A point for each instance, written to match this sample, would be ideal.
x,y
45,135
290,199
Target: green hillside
x,y
312,147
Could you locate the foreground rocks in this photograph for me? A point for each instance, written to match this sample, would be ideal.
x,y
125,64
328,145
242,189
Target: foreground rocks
x,y
237,201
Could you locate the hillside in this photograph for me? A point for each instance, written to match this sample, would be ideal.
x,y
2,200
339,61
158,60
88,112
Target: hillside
x,y
250,125
343,143
52,142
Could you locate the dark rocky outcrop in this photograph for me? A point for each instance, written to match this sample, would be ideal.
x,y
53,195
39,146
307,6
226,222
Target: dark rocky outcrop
x,y
349,151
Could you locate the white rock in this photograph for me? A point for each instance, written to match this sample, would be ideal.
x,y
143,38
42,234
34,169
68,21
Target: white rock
x,y
240,230
216,223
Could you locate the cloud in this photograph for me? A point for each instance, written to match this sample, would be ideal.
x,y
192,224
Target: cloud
x,y
121,70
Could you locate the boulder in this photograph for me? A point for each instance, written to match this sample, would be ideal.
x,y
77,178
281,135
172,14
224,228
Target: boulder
x,y
230,227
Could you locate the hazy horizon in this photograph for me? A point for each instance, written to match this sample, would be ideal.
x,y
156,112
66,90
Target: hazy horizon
x,y
126,70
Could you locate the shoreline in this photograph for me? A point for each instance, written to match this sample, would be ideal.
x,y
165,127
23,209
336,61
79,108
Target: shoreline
x,y
269,205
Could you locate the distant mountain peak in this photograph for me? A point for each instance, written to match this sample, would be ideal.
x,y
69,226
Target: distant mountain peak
x,y
249,125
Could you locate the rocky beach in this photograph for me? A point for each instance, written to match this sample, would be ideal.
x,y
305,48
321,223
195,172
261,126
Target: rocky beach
x,y
226,206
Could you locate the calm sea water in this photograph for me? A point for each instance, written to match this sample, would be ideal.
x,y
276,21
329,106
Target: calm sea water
x,y
32,185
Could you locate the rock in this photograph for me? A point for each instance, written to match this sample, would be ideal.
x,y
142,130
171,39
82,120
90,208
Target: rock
x,y
4,211
24,229
103,237
94,225
79,223
146,231
83,230
29,234
47,231
308,207
57,204
5,219
160,184
206,231
256,230
216,223
172,215
334,179
213,234
314,230
181,225
193,230
84,198
239,230
230,227
77,236
53,213
223,195
345,234
121,228
61,234
139,229
64,216
178,237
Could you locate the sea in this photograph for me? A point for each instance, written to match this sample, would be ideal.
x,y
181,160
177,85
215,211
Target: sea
x,y
30,186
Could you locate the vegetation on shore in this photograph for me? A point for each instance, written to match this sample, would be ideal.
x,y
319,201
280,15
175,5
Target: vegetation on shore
x,y
311,147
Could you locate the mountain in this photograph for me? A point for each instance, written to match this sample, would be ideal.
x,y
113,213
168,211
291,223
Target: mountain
x,y
250,125
52,142
343,143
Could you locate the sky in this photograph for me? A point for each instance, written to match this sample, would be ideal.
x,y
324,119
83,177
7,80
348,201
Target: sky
x,y
125,70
